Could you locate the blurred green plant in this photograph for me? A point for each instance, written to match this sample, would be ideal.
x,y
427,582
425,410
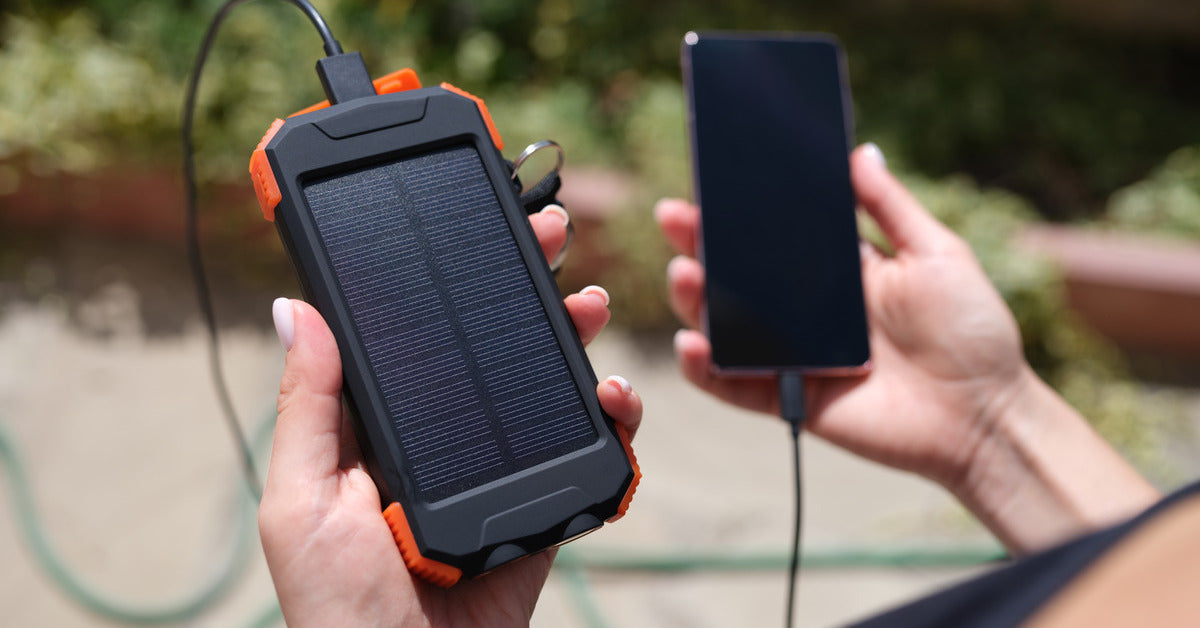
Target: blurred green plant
x,y
653,132
1165,203
65,84
80,95
1027,99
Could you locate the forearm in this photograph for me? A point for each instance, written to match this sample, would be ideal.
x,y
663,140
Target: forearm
x,y
1042,474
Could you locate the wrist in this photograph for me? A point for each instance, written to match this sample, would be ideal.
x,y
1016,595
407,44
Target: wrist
x,y
1039,473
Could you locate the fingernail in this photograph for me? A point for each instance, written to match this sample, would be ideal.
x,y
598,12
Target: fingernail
x,y
620,383
674,267
872,150
660,206
285,322
678,340
557,210
598,291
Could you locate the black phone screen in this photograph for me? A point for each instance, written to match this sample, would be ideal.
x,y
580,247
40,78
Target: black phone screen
x,y
771,131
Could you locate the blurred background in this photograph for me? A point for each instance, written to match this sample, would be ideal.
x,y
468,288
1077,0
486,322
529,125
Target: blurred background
x,y
1061,138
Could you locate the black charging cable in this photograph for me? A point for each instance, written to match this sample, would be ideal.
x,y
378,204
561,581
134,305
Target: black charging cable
x,y
333,50
792,409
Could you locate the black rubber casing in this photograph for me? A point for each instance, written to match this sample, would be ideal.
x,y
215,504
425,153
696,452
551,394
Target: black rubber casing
x,y
516,515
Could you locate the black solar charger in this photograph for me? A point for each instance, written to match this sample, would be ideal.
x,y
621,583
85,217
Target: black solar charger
x,y
471,396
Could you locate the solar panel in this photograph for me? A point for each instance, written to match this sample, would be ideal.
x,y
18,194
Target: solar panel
x,y
460,345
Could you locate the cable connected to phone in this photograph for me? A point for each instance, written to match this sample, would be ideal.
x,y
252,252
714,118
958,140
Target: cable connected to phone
x,y
792,409
191,224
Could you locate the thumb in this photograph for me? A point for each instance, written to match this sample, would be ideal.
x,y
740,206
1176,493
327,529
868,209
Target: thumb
x,y
906,223
308,431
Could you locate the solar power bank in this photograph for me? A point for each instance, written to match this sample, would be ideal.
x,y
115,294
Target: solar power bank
x,y
471,396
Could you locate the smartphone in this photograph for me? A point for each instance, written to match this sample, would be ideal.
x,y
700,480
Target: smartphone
x,y
771,129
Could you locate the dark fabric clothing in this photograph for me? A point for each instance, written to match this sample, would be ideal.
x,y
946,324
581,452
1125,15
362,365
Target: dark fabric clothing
x,y
1012,594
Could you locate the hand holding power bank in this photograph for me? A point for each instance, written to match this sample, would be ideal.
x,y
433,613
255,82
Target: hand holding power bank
x,y
470,394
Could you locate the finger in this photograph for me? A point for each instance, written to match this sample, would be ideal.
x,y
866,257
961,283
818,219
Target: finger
x,y
550,227
874,269
904,221
685,289
308,432
694,354
621,403
589,311
350,455
870,255
680,223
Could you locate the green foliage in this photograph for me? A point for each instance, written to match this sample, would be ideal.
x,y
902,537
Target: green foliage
x,y
1165,203
1057,113
76,98
1025,99
653,134
65,84
563,113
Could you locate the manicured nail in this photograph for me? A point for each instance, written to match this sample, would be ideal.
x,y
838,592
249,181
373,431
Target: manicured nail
x,y
285,322
660,207
598,291
872,150
557,210
675,267
678,340
620,383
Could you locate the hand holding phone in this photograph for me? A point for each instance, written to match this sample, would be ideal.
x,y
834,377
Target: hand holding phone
x,y
771,130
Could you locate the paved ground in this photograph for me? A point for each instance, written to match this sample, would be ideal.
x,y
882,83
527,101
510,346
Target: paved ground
x,y
137,486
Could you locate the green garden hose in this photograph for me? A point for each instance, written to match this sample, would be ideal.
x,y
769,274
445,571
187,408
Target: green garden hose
x,y
85,594
832,558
